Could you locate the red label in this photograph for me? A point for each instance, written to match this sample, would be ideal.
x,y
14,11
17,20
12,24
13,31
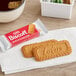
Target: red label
x,y
21,35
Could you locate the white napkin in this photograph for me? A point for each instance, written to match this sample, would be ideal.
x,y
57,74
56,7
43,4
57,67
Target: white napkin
x,y
13,61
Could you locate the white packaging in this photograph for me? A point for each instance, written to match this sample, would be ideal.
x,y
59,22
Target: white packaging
x,y
20,35
58,10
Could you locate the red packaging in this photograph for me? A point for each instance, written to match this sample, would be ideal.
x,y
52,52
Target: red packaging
x,y
23,34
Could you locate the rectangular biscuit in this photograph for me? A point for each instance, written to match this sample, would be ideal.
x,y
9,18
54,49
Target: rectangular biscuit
x,y
14,4
31,29
27,50
67,1
57,49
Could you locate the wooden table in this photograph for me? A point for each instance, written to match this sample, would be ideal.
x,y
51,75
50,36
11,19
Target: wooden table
x,y
31,12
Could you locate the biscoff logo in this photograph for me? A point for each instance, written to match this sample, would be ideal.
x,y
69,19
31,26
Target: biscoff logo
x,y
17,35
21,35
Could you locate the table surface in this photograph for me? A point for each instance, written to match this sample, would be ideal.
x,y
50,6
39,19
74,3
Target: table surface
x,y
31,12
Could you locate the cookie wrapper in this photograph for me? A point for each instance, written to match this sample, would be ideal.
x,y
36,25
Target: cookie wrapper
x,y
23,34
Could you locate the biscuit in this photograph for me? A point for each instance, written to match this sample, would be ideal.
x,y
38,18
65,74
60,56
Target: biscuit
x,y
67,1
53,50
31,29
14,4
27,50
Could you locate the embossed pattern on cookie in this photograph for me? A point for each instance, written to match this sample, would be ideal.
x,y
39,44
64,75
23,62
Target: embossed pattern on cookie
x,y
53,50
27,50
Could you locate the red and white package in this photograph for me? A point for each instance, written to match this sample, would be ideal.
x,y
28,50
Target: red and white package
x,y
23,34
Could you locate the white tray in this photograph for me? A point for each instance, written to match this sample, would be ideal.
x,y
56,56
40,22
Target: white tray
x,y
56,9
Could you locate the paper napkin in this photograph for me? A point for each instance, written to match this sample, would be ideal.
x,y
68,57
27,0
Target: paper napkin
x,y
13,61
